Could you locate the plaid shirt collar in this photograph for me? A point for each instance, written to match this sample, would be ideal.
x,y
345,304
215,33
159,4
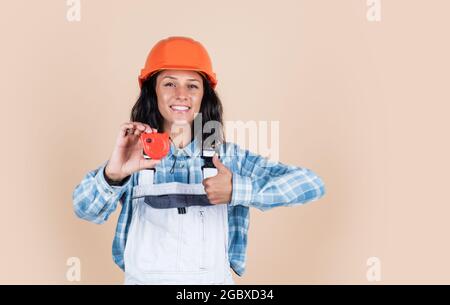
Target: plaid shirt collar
x,y
193,149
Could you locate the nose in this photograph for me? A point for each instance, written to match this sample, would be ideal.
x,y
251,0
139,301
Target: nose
x,y
181,93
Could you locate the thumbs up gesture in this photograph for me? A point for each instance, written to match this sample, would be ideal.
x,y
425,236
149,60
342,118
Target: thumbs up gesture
x,y
219,188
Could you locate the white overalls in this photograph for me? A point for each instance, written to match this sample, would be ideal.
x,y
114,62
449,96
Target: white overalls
x,y
166,245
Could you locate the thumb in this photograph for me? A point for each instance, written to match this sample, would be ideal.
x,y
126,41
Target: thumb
x,y
219,165
144,163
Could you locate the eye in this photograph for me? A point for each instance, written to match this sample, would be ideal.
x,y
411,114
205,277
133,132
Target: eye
x,y
169,85
193,86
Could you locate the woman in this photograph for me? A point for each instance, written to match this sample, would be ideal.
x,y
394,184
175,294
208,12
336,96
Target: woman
x,y
180,223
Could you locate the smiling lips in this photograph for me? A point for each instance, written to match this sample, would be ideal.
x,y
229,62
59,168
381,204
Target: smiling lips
x,y
180,108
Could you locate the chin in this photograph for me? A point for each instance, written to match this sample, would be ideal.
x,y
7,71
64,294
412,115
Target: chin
x,y
181,122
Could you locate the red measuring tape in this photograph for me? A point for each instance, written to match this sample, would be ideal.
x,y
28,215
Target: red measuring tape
x,y
156,145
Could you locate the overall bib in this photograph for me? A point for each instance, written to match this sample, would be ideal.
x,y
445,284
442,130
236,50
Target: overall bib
x,y
176,236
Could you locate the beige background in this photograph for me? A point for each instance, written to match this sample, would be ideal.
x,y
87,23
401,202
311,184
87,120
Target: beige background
x,y
363,104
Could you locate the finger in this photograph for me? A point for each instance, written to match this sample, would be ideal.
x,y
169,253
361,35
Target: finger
x,y
147,128
218,164
212,200
145,163
126,128
206,182
137,126
126,125
209,195
151,130
209,192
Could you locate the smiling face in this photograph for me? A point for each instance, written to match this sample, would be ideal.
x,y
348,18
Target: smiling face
x,y
179,94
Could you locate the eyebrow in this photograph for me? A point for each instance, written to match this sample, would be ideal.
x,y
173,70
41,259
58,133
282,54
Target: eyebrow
x,y
171,77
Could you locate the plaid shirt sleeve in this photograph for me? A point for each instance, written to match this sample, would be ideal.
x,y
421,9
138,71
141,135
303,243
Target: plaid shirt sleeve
x,y
264,184
94,199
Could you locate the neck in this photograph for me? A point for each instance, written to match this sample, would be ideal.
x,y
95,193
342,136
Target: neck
x,y
181,135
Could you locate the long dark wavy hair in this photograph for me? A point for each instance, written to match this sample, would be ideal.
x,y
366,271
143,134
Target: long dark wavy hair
x,y
145,110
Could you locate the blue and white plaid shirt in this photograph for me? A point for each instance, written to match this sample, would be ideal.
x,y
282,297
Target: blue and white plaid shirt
x,y
257,182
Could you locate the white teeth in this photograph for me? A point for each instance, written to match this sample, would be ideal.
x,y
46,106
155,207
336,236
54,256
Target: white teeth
x,y
180,108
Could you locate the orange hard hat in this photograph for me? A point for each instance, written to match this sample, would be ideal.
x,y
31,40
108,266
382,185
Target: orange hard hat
x,y
178,53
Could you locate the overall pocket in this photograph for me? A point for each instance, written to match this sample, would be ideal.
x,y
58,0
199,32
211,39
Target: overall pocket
x,y
171,242
157,240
